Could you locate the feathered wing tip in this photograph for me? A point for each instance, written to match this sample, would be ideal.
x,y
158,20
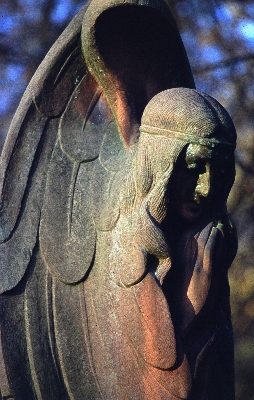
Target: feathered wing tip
x,y
133,61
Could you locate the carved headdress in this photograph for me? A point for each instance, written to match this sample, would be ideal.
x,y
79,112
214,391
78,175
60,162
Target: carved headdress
x,y
190,116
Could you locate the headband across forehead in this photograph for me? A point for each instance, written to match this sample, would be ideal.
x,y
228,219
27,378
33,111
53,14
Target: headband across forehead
x,y
211,142
189,116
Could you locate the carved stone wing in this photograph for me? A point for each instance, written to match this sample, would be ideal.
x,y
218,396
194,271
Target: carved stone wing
x,y
74,111
68,151
32,139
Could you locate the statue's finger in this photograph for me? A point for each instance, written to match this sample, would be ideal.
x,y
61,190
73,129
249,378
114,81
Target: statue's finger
x,y
202,242
208,251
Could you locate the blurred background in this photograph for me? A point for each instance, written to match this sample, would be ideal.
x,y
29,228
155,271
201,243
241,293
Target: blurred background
x,y
219,39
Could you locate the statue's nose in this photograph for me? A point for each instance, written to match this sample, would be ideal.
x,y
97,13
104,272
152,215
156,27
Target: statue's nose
x,y
203,187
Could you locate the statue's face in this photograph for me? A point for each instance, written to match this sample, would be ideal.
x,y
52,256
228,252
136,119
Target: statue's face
x,y
199,180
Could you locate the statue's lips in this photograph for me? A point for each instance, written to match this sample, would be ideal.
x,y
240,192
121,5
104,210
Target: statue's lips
x,y
193,206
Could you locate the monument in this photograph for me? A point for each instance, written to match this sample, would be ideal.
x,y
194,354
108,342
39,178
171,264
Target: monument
x,y
115,236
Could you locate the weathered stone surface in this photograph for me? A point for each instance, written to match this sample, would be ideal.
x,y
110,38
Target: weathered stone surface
x,y
115,238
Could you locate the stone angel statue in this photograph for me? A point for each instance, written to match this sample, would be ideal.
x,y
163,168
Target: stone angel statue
x,y
115,236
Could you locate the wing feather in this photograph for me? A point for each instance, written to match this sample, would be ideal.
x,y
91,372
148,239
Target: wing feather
x,y
67,232
28,149
16,252
47,379
23,154
69,332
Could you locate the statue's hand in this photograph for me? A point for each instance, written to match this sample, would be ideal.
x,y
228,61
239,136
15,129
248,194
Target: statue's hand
x,y
199,260
202,271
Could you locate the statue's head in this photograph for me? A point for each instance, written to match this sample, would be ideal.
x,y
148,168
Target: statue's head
x,y
196,138
181,172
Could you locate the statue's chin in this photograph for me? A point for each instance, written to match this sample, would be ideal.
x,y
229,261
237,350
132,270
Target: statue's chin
x,y
191,211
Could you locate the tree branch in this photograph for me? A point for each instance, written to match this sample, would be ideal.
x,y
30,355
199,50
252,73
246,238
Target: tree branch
x,y
222,64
